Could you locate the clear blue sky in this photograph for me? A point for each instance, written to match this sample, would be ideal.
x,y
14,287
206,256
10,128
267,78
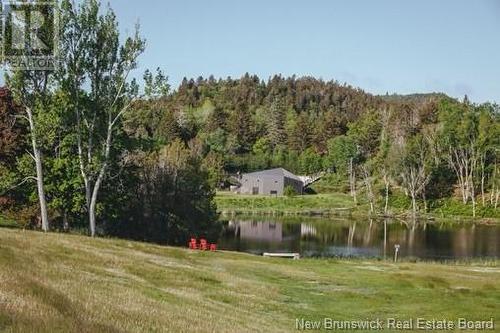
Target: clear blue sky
x,y
406,46
450,46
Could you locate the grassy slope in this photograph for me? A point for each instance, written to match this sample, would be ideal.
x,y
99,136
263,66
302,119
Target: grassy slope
x,y
56,282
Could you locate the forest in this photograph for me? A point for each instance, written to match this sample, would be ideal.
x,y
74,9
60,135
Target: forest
x,y
90,149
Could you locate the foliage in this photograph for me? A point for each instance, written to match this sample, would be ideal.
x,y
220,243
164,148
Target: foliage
x,y
289,191
172,199
145,163
341,149
310,162
98,143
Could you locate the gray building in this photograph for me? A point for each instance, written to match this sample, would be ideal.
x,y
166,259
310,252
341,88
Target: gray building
x,y
269,182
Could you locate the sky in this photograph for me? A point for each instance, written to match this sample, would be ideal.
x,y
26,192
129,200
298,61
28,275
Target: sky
x,y
381,46
450,46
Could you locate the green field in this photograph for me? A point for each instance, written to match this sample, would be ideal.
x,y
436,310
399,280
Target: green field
x,y
67,283
331,203
340,204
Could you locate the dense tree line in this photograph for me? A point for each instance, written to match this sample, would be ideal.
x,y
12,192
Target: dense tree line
x,y
426,146
69,157
86,146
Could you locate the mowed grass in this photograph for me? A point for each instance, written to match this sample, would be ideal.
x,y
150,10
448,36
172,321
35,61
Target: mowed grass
x,y
300,204
68,283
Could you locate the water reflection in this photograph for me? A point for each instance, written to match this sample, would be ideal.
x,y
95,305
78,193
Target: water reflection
x,y
372,238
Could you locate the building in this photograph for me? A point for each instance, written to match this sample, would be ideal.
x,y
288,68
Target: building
x,y
269,182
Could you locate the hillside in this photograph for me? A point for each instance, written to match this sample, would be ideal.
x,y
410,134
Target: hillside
x,y
67,283
414,98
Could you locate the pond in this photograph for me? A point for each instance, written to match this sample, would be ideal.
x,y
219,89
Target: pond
x,y
361,238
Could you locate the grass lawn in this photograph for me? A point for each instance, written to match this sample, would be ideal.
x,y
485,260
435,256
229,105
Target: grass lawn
x,y
340,204
68,283
303,204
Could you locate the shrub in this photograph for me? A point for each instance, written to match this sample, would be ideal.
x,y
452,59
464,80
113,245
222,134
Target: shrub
x,y
289,191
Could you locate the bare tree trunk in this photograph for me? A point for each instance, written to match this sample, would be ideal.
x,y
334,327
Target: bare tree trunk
x,y
424,198
413,185
92,208
385,238
369,192
65,221
414,205
92,219
457,160
352,181
83,171
496,198
473,165
93,201
473,197
415,181
37,156
483,176
386,182
100,177
493,185
467,179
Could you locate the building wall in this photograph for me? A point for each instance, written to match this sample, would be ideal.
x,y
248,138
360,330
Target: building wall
x,y
268,185
264,184
297,185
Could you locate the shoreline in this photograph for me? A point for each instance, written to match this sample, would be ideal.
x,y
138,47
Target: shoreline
x,y
232,204
429,218
465,261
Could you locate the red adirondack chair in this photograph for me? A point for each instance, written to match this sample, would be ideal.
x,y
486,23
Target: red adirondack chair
x,y
193,244
203,244
213,247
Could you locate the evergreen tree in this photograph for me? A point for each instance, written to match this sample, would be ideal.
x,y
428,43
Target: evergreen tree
x,y
240,127
276,125
301,133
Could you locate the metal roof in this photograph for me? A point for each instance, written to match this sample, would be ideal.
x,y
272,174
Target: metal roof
x,y
274,172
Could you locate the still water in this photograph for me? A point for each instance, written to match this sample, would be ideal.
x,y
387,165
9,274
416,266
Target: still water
x,y
361,238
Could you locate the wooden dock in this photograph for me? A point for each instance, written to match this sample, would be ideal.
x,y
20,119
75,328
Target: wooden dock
x,y
282,255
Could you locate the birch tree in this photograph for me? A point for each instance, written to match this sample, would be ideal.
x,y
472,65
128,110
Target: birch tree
x,y
382,159
470,136
96,76
487,147
367,178
495,183
459,139
352,180
414,168
343,156
30,89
